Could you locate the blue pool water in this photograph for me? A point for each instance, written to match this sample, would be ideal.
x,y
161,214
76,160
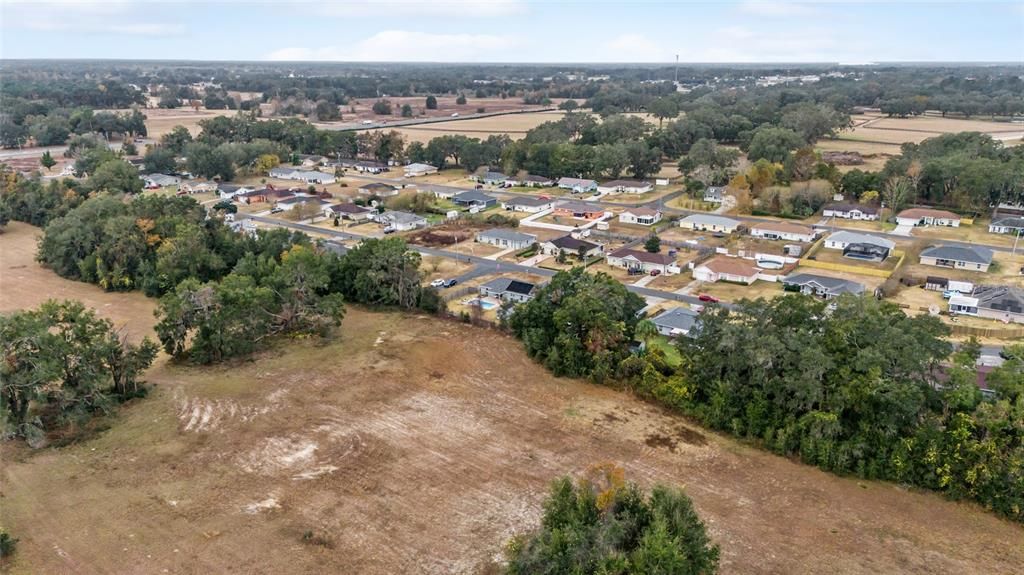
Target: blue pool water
x,y
484,304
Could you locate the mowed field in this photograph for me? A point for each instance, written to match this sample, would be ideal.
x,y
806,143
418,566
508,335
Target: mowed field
x,y
514,125
413,445
160,121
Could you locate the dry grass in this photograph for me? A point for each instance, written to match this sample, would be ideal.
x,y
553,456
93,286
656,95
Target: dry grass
x,y
514,125
160,121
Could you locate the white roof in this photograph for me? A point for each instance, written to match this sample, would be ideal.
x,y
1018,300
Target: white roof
x,y
711,219
844,237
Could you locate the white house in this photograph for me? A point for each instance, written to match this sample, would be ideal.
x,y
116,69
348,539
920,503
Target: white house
x,y
1003,303
639,260
308,176
577,185
348,211
504,238
401,221
625,187
640,216
927,217
728,269
850,212
962,257
528,204
860,246
507,289
676,322
296,201
417,169
709,223
1007,225
714,194
229,191
782,231
153,181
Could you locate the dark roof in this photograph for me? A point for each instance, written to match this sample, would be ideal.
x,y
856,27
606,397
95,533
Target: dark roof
x,y
971,254
677,318
850,207
473,196
528,201
936,280
579,207
538,179
572,244
644,256
509,285
1009,222
349,208
625,183
378,186
826,283
1001,298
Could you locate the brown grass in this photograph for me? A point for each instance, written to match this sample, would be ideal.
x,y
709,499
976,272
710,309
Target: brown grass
x,y
412,445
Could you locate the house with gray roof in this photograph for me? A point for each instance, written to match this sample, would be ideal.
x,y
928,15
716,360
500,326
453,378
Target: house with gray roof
x,y
474,199
153,181
418,169
677,321
860,246
714,194
571,246
822,286
401,221
1007,225
379,189
532,181
709,223
505,238
493,178
508,289
528,204
1003,303
962,257
577,185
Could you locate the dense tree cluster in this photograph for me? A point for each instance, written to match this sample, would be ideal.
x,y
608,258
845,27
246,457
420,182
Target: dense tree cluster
x,y
858,387
41,124
604,524
62,365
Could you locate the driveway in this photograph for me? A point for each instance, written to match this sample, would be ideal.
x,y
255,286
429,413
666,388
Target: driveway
x,y
903,230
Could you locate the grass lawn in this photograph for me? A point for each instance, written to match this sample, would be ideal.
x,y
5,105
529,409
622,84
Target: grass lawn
x,y
668,347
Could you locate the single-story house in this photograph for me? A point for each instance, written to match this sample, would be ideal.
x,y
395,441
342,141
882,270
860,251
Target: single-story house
x,y
308,176
474,199
625,187
1003,303
577,185
229,191
709,223
504,238
492,178
676,321
714,194
783,231
1007,225
401,221
265,195
507,289
348,211
850,211
571,246
822,286
579,210
295,201
365,166
379,189
961,257
639,260
417,169
197,187
724,268
532,181
528,204
927,217
860,246
310,161
640,216
153,181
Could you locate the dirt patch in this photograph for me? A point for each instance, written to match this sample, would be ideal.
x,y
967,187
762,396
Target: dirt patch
x,y
414,445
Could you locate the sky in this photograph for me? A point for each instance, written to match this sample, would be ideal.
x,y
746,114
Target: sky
x,y
583,31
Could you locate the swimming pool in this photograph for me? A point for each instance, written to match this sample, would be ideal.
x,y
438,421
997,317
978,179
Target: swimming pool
x,y
483,303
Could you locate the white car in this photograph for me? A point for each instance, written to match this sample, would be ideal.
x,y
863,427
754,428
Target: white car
x,y
455,115
437,283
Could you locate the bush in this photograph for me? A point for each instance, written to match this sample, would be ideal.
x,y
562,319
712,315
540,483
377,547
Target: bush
x,y
7,544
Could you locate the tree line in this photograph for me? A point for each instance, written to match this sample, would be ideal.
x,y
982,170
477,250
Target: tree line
x,y
857,387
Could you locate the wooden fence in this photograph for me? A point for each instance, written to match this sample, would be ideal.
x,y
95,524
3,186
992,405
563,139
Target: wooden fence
x,y
853,269
993,332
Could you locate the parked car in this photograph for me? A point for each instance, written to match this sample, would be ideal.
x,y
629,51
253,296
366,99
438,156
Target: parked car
x,y
389,230
707,298
276,210
437,283
655,272
450,283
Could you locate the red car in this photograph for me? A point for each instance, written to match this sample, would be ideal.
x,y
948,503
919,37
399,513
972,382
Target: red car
x,y
707,298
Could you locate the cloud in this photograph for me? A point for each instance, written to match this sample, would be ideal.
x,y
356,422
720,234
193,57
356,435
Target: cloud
x,y
812,44
634,48
406,46
85,16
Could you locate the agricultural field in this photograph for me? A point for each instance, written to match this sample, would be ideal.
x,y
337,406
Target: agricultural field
x,y
161,121
513,125
413,445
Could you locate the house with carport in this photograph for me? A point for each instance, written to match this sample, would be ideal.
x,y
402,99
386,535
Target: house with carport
x,y
637,261
709,223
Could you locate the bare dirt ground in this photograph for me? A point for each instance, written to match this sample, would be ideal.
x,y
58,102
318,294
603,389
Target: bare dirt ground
x,y
412,445
24,283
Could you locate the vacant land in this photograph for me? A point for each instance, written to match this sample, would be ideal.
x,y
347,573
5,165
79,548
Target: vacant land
x,y
161,121
514,125
24,283
412,445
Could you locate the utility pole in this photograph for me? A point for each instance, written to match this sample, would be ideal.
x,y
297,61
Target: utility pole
x,y
677,72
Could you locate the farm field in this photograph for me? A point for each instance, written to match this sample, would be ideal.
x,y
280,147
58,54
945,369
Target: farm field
x,y
412,445
514,125
161,121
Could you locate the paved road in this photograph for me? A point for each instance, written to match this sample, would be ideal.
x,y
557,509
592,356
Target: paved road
x,y
55,151
660,204
352,126
482,266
